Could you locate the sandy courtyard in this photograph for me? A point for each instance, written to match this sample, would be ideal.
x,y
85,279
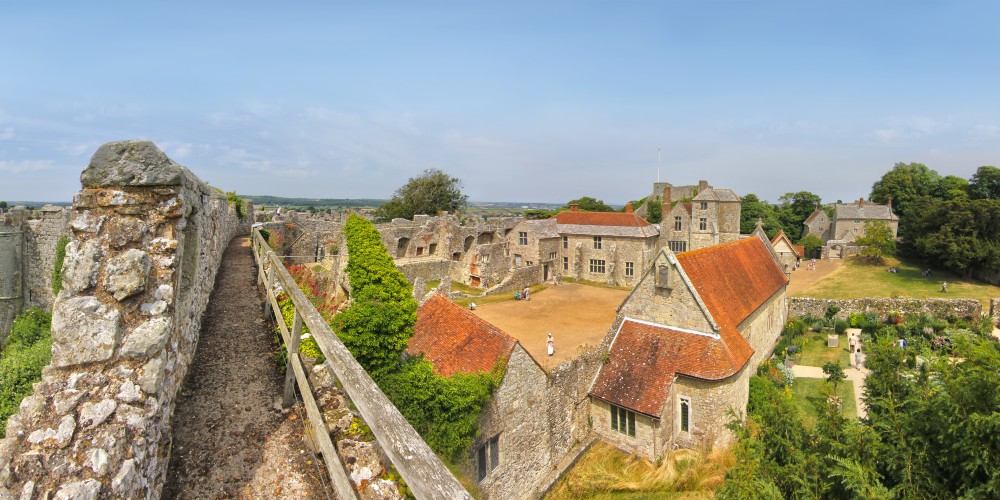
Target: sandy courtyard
x,y
577,315
803,278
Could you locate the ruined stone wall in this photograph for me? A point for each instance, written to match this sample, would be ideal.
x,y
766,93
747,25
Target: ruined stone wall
x,y
995,311
962,308
318,239
518,278
148,238
427,269
11,269
514,414
42,234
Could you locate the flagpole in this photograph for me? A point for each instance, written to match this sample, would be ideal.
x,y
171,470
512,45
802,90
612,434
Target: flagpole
x,y
657,164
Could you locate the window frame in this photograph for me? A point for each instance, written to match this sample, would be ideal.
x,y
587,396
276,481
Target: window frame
x,y
565,241
684,414
522,238
622,420
565,263
598,243
703,224
487,457
677,246
630,269
678,223
703,205
598,266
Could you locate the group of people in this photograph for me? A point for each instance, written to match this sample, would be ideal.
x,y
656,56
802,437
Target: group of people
x,y
894,270
523,294
855,344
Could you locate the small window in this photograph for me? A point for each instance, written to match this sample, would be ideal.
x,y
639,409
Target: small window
x,y
623,420
597,242
432,248
420,251
677,246
677,223
529,263
703,223
517,260
703,205
487,457
685,415
565,241
552,256
629,269
565,263
522,238
484,258
597,266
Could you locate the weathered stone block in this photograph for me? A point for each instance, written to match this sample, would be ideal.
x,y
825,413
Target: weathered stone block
x,y
131,163
92,415
80,490
125,274
55,438
83,331
83,261
147,339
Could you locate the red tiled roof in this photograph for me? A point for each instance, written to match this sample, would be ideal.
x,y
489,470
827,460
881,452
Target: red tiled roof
x,y
800,250
457,341
733,280
627,219
645,359
781,234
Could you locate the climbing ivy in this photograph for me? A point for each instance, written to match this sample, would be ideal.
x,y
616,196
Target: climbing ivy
x,y
57,267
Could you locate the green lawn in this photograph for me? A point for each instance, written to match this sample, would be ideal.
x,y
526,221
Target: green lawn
x,y
807,392
816,353
858,279
496,297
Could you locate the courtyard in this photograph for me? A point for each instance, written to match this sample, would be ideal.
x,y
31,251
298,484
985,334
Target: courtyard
x,y
578,316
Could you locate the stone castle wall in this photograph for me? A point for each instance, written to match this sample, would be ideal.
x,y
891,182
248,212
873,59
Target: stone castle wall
x,y
962,308
42,235
149,237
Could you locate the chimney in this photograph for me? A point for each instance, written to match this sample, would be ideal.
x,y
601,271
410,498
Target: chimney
x,y
861,202
628,207
665,208
574,207
703,185
890,202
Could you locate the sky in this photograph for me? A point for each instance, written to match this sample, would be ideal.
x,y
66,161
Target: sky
x,y
540,101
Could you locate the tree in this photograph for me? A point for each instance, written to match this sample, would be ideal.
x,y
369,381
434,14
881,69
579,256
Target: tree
x,y
752,209
812,244
588,204
906,183
962,235
985,184
794,209
877,241
427,194
834,374
952,187
3,205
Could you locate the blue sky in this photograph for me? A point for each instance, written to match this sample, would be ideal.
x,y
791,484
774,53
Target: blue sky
x,y
524,101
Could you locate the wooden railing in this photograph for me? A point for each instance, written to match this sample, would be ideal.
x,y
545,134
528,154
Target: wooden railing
x,y
425,474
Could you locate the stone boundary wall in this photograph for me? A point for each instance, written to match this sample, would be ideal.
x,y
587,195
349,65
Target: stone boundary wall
x,y
519,278
991,276
963,308
41,236
429,269
995,311
149,237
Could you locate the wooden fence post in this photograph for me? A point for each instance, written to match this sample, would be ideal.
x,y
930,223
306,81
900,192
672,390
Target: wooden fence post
x,y
293,357
267,294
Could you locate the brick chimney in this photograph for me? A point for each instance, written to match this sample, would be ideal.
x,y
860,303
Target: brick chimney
x,y
861,202
890,202
628,207
574,207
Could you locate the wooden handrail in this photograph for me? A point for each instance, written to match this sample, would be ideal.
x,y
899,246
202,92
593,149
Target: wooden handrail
x,y
425,474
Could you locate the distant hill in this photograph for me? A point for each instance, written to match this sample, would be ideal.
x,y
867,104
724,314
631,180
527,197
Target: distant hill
x,y
313,202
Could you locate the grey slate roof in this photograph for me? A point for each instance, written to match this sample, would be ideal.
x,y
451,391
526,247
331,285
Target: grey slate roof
x,y
865,211
717,194
542,228
626,231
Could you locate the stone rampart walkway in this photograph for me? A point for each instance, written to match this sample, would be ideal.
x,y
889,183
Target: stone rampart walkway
x,y
229,440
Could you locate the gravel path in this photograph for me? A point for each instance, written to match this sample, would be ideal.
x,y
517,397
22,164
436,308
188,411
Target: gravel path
x,y
229,440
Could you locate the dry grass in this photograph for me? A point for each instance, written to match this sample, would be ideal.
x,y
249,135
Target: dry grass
x,y
607,472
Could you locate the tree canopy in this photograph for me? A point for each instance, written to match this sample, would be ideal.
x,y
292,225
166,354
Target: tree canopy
x,y
878,241
794,208
427,194
906,183
589,204
753,208
985,184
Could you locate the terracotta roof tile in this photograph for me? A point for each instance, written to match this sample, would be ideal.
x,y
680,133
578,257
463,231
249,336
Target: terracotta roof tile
x,y
455,340
645,359
627,219
734,279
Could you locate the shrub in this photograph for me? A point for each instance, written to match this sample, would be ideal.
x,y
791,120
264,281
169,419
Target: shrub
x,y
237,203
831,312
28,350
264,233
840,326
29,327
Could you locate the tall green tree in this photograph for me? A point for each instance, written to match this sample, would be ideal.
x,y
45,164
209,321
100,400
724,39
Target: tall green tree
x,y
590,204
906,183
752,209
961,235
427,194
877,241
985,184
794,208
952,187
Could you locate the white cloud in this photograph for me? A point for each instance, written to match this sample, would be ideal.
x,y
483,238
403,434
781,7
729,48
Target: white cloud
x,y
20,166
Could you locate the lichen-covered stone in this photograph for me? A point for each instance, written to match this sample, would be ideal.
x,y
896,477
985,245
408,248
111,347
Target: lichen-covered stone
x,y
55,438
131,163
83,261
147,339
97,460
126,480
152,375
80,490
83,331
129,392
92,415
125,275
66,401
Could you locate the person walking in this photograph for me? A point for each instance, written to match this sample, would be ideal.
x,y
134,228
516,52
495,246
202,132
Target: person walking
x,y
857,358
853,342
550,345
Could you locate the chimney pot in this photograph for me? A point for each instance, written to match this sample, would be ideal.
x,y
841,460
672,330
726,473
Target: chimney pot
x,y
890,202
628,207
574,207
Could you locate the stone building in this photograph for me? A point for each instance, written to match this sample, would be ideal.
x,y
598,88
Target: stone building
x,y
848,221
789,255
609,247
686,341
707,217
512,452
536,242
